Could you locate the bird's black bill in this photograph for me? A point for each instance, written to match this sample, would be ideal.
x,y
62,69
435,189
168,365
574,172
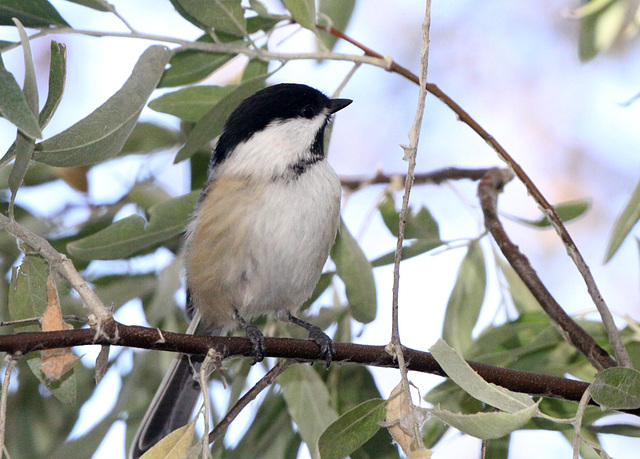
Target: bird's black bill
x,y
337,104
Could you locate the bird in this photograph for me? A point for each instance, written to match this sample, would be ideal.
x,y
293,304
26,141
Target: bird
x,y
259,237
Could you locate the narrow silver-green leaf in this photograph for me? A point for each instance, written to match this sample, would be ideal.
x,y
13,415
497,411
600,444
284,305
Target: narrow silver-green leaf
x,y
471,382
624,224
486,425
102,133
14,106
191,66
567,211
57,79
352,429
32,13
523,299
617,388
308,402
413,249
210,125
192,103
465,302
98,5
24,144
133,234
28,299
303,11
356,272
419,225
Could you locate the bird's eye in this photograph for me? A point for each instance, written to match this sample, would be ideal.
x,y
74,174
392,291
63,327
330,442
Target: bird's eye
x,y
307,112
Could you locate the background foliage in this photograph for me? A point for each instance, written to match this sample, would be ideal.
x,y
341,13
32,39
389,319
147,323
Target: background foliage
x,y
127,240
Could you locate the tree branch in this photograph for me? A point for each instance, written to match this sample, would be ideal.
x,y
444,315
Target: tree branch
x,y
488,189
116,334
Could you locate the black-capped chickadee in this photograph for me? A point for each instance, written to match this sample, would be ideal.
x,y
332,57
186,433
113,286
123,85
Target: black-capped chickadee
x,y
261,233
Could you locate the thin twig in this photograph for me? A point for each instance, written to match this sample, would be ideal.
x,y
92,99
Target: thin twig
x,y
62,264
577,424
488,189
205,368
410,153
12,362
251,394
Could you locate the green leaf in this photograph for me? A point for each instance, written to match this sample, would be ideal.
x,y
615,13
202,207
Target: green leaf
x,y
352,429
32,13
210,125
420,225
102,134
357,274
599,30
190,66
28,299
567,211
486,425
24,144
150,138
339,12
617,388
523,299
98,5
471,382
308,402
222,15
465,302
417,247
57,79
191,104
133,234
303,11
14,106
624,224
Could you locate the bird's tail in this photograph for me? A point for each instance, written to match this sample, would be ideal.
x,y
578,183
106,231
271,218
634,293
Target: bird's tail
x,y
174,402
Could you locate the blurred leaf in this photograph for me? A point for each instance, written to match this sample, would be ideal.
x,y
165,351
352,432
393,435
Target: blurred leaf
x,y
567,211
433,430
75,177
523,299
14,106
255,68
471,382
600,29
352,429
303,11
498,448
270,432
486,425
32,13
150,138
415,248
419,225
308,403
133,234
465,302
98,5
624,224
210,125
323,284
192,103
190,66
339,12
102,134
28,299
221,15
356,272
617,388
